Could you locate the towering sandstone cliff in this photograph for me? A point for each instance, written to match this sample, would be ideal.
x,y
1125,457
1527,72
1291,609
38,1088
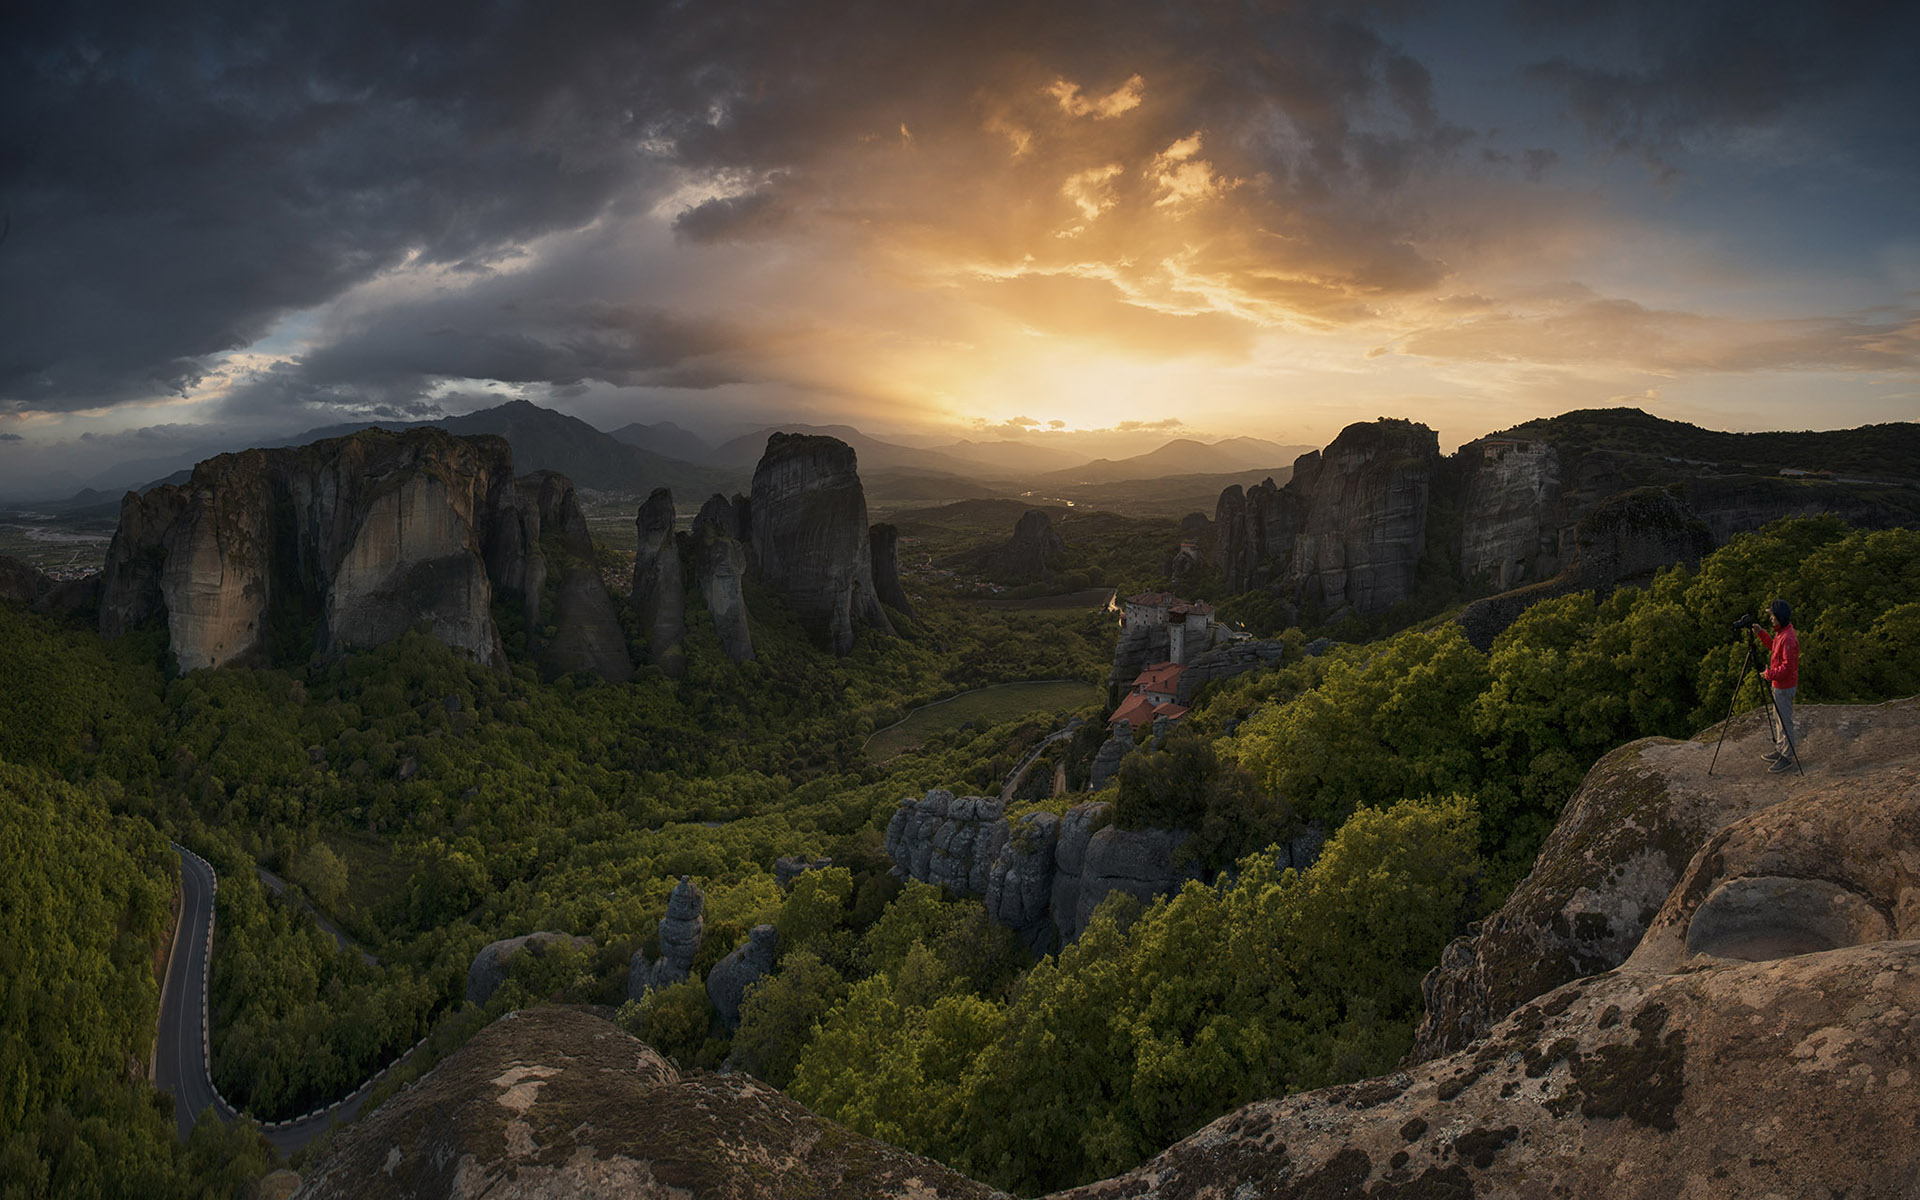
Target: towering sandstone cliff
x,y
659,593
810,538
1348,530
1555,505
803,533
350,542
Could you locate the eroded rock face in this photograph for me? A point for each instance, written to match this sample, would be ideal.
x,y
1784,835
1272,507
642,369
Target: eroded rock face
x,y
1366,523
1106,760
659,587
720,567
1139,862
489,967
1509,515
586,630
1784,1078
947,840
1622,844
884,540
1254,529
359,538
1041,877
679,934
557,1102
743,967
810,538
1225,662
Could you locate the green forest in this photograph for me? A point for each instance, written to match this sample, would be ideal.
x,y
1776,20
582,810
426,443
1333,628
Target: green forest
x,y
429,806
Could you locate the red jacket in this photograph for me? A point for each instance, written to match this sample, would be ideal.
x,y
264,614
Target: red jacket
x,y
1783,657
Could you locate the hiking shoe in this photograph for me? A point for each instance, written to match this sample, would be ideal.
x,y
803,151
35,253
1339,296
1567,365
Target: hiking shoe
x,y
1772,756
1781,764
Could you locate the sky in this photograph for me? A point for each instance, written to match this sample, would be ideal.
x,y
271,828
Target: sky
x,y
237,221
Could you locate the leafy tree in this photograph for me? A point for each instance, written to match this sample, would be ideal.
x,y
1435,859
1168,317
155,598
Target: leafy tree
x,y
319,870
779,1013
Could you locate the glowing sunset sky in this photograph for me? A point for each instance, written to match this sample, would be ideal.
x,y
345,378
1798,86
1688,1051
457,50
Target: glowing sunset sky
x,y
232,221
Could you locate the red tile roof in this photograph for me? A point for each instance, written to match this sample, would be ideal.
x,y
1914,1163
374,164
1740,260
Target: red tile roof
x,y
1139,710
1160,677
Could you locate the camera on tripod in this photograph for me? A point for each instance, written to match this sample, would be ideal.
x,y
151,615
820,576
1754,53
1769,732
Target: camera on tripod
x,y
1742,622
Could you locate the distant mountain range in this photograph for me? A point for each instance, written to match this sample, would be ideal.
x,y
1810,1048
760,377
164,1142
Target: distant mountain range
x,y
639,457
1183,456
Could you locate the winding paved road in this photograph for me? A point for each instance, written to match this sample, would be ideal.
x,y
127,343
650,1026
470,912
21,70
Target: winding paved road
x,y
181,1064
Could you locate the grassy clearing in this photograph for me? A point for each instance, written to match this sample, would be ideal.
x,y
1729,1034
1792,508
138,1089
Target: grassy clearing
x,y
987,706
1077,602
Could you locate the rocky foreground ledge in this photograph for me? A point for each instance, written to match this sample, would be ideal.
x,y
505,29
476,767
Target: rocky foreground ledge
x,y
1761,1039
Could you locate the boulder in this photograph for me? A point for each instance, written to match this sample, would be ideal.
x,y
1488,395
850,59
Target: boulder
x,y
810,539
659,588
489,967
1140,862
744,966
1622,844
559,1102
789,867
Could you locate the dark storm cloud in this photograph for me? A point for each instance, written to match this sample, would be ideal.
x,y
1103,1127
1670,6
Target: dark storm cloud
x,y
1700,70
180,176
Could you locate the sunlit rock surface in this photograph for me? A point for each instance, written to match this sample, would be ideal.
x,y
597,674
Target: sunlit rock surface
x,y
1627,836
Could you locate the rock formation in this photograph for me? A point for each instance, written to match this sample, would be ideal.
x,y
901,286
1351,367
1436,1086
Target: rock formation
x,y
348,543
884,540
1550,506
1042,877
1106,760
586,630
810,539
489,967
1623,843
22,583
659,588
558,1102
1225,662
720,568
679,934
1626,538
1366,522
1254,530
743,967
1035,553
789,867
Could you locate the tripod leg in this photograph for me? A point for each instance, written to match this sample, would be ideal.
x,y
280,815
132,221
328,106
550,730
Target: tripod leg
x,y
1726,722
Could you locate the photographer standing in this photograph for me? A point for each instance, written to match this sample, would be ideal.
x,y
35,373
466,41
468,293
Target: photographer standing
x,y
1783,672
